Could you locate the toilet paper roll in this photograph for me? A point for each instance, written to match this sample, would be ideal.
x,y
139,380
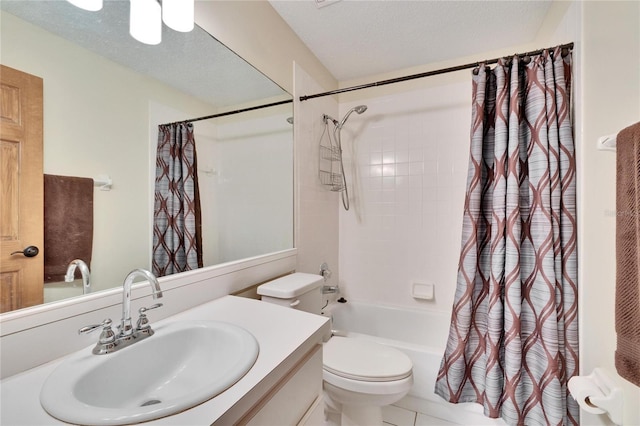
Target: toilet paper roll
x,y
582,389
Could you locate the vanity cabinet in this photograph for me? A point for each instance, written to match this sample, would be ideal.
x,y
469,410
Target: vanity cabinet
x,y
283,387
292,400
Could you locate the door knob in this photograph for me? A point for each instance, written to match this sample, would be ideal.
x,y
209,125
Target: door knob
x,y
30,251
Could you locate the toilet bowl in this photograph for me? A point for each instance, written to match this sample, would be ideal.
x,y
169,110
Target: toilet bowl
x,y
359,376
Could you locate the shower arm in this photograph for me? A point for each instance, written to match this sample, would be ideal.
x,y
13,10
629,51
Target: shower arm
x,y
326,118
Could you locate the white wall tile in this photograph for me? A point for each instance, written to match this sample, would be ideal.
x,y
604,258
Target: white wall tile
x,y
412,168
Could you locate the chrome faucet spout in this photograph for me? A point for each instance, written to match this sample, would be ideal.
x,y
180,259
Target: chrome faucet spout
x,y
84,271
110,341
126,328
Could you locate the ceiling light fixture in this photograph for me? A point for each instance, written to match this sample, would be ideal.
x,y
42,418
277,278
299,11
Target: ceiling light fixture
x,y
90,5
146,17
178,14
145,21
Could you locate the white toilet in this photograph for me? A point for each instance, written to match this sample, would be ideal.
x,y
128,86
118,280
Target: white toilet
x,y
359,376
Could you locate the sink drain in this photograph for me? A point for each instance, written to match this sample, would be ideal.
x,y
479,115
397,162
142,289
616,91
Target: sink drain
x,y
150,402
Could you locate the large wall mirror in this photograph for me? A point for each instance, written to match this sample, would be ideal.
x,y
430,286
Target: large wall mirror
x,y
105,95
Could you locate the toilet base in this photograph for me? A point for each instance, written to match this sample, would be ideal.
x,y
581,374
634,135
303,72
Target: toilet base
x,y
350,402
353,415
341,414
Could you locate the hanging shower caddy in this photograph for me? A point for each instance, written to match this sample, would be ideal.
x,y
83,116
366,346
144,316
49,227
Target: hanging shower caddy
x,y
330,168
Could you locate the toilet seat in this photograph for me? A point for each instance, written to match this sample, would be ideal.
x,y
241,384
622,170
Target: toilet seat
x,y
388,388
362,360
359,376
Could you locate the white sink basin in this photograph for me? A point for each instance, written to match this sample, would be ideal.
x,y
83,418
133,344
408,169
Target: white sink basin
x,y
182,365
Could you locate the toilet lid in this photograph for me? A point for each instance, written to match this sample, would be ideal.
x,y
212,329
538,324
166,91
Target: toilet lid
x,y
360,359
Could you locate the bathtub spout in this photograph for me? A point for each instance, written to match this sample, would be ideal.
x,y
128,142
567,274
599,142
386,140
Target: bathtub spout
x,y
330,289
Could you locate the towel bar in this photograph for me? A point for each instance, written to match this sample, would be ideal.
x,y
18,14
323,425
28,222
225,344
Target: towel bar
x,y
607,143
104,182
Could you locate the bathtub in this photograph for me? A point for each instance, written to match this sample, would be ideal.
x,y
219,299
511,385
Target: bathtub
x,y
420,334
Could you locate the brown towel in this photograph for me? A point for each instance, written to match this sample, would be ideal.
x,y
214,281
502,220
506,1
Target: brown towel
x,y
628,253
68,224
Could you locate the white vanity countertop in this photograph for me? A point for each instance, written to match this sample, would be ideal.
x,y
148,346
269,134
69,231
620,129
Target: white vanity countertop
x,y
280,333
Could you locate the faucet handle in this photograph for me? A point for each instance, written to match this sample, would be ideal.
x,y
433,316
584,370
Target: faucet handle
x,y
143,321
91,328
107,340
143,310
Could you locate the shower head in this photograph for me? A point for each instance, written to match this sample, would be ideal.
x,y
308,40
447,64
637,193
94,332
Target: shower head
x,y
359,109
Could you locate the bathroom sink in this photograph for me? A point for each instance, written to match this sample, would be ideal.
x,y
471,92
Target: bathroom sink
x,y
182,365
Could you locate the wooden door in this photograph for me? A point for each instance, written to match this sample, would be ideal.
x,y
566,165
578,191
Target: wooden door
x,y
21,195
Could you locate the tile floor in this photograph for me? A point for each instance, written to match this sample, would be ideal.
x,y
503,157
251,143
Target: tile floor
x,y
396,416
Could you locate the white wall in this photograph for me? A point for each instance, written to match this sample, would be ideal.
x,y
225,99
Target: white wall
x,y
610,102
316,225
607,99
250,189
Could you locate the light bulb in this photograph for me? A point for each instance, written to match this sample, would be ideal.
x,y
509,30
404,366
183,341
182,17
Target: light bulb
x,y
145,21
91,5
178,14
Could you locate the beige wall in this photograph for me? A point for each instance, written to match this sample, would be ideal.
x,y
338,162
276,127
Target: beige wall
x,y
610,101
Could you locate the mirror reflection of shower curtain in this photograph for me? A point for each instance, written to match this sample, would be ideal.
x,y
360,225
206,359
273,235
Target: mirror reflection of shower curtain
x,y
177,236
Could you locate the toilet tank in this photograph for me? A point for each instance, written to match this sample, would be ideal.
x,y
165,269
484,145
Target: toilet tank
x,y
299,290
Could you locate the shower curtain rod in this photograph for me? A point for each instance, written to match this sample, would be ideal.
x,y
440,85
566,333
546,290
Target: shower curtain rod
x,y
425,74
237,111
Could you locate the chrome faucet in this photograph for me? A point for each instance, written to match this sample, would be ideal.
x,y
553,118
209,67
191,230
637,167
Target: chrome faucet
x,y
126,328
127,335
84,271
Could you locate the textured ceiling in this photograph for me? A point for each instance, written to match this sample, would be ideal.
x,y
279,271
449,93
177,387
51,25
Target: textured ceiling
x,y
193,62
361,38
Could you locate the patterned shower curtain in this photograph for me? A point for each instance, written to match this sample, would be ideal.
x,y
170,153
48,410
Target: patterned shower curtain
x,y
177,241
513,341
